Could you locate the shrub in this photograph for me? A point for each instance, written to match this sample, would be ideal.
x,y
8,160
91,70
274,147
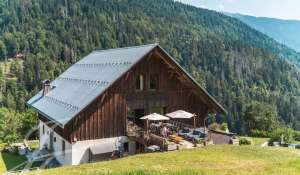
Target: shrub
x,y
259,133
214,126
218,127
224,127
297,135
245,141
285,133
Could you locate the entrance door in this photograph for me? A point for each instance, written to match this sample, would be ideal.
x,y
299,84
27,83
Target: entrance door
x,y
51,141
138,113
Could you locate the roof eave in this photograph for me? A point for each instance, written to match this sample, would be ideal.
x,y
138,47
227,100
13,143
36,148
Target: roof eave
x,y
45,115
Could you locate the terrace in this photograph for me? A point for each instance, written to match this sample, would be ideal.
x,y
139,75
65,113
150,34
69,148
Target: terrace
x,y
163,133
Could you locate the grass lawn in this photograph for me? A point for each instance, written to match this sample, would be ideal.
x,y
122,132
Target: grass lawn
x,y
211,160
9,161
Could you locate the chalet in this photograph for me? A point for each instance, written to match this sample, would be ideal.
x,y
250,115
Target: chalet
x,y
84,112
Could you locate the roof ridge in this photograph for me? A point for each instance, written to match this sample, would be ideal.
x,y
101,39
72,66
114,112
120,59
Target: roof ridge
x,y
129,47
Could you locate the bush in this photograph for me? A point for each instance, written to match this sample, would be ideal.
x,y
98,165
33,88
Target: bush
x,y
287,134
283,133
297,135
214,126
259,133
218,127
245,141
224,127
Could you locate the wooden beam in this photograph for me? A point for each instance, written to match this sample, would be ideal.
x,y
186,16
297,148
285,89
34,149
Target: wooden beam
x,y
127,75
103,97
149,56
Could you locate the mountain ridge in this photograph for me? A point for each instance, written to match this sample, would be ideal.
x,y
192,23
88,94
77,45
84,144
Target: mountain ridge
x,y
284,31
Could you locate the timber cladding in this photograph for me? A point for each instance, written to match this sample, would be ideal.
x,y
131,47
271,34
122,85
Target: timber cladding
x,y
107,115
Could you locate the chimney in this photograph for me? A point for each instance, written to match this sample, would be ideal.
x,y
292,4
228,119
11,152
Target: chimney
x,y
46,87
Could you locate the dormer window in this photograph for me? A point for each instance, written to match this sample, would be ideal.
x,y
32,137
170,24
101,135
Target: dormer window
x,y
154,81
139,82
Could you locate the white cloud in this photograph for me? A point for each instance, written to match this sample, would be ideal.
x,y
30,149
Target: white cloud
x,y
221,7
204,6
287,9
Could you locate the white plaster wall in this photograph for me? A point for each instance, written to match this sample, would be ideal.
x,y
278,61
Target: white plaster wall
x,y
77,152
80,149
64,159
44,138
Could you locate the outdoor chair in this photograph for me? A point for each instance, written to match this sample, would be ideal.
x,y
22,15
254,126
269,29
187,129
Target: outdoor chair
x,y
197,135
184,132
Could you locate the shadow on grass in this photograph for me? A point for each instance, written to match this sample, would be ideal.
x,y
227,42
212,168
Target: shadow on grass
x,y
13,160
147,172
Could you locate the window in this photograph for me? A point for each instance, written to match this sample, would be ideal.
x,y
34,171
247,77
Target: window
x,y
139,84
153,82
54,139
63,147
43,129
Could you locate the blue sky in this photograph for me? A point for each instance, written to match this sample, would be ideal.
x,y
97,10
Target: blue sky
x,y
283,9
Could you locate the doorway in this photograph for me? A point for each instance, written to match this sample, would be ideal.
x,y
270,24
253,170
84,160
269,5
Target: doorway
x,y
138,113
51,141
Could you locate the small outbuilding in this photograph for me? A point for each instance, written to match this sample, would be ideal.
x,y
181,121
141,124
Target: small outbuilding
x,y
220,137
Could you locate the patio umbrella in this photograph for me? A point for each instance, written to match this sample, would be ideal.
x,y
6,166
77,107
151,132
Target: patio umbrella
x,y
181,114
154,117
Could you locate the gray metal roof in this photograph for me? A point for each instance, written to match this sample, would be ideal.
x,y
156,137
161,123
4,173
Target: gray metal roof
x,y
79,85
84,81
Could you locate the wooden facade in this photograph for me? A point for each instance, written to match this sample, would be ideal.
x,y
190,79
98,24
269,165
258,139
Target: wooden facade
x,y
107,115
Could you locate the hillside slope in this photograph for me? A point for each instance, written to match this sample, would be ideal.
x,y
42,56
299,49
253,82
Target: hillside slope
x,y
234,62
213,160
284,31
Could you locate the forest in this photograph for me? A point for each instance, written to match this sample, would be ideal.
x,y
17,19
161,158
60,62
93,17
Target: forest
x,y
235,63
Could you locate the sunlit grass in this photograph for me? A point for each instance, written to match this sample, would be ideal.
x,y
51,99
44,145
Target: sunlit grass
x,y
216,160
